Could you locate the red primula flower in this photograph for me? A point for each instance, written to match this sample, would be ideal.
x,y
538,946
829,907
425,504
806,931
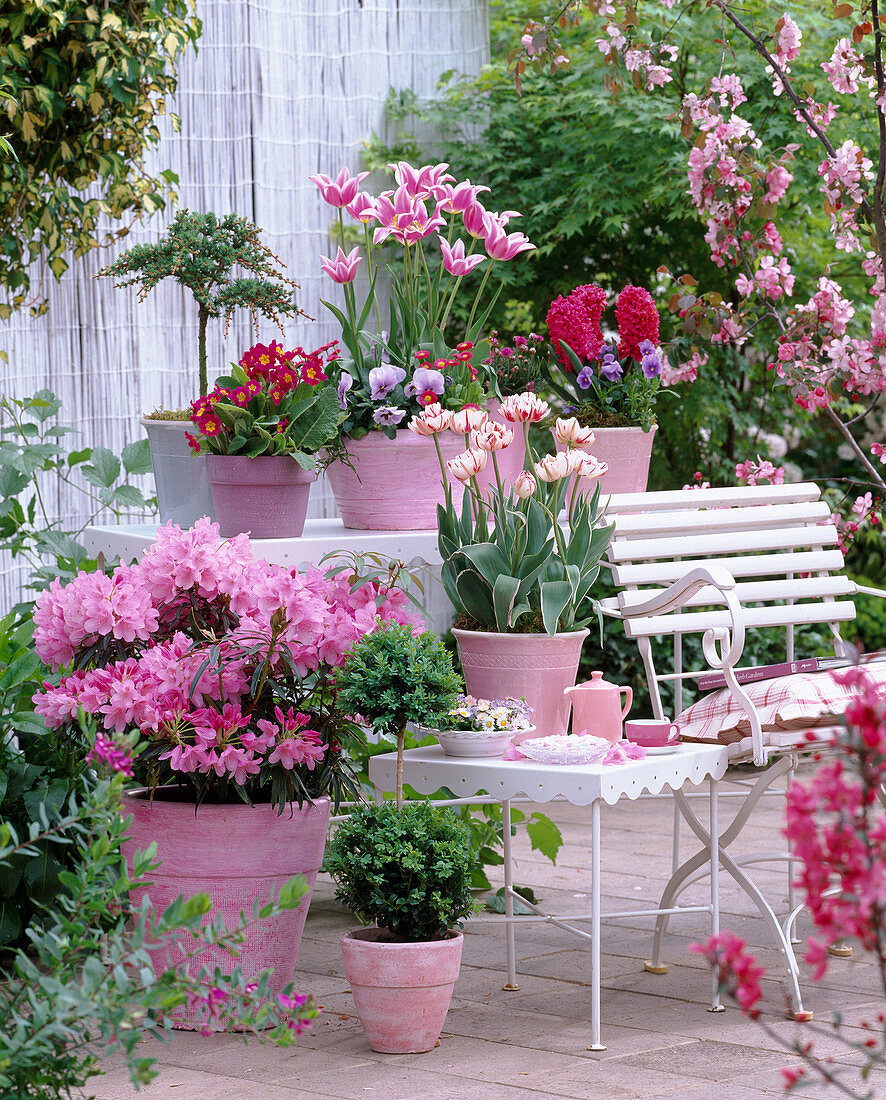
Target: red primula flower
x,y
312,372
637,321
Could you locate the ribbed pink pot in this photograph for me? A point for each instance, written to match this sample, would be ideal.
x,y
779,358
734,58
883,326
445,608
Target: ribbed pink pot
x,y
235,853
402,991
510,460
395,484
628,452
534,667
264,497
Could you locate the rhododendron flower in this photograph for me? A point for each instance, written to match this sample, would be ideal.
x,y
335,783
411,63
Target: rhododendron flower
x,y
467,465
432,419
342,190
553,467
383,379
343,269
491,436
467,419
569,433
524,408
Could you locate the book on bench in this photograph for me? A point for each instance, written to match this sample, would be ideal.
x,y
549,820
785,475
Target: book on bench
x,y
709,680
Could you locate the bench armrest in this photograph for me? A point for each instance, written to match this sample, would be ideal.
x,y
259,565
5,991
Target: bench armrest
x,y
677,594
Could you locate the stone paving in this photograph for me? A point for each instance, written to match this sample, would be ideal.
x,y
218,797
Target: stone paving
x,y
661,1040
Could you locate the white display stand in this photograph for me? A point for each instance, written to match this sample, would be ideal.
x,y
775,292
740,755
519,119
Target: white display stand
x,y
321,536
429,769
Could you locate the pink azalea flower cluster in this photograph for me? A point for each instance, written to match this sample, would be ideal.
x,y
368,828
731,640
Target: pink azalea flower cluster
x,y
171,647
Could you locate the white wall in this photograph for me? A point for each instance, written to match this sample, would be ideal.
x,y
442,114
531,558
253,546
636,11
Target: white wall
x,y
279,90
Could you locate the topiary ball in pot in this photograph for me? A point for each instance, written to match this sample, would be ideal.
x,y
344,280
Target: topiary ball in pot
x,y
409,870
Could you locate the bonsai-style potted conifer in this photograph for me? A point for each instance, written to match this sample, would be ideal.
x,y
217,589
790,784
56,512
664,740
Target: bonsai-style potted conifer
x,y
407,868
226,266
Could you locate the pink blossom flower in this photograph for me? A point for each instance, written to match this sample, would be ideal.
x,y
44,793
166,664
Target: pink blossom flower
x,y
343,269
569,433
467,419
491,436
505,246
432,419
525,485
454,259
467,465
553,467
524,408
342,190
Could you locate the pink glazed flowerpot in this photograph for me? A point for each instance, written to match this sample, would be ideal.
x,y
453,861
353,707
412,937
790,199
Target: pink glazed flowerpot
x,y
235,853
264,497
395,484
534,667
628,452
402,991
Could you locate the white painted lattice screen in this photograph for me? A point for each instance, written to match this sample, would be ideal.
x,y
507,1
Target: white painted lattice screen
x,y
279,89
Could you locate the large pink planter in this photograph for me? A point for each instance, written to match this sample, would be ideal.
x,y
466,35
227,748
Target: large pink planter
x,y
396,484
534,667
266,497
402,991
235,853
628,451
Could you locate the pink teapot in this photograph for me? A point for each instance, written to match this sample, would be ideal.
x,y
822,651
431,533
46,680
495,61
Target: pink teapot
x,y
597,707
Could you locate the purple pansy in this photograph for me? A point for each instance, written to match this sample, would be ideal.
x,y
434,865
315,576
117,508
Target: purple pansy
x,y
584,377
388,415
424,380
344,384
383,379
651,361
610,367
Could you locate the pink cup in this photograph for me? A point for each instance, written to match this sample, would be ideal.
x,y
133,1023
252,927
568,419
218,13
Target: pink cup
x,y
650,732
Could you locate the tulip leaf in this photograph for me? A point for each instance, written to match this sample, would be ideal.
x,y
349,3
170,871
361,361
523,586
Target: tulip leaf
x,y
504,592
555,595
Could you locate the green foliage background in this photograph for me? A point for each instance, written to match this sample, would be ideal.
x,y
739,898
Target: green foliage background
x,y
85,84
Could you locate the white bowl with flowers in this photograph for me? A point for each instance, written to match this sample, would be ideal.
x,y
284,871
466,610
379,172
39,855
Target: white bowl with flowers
x,y
483,727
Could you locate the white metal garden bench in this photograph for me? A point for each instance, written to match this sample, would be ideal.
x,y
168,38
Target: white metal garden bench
x,y
721,563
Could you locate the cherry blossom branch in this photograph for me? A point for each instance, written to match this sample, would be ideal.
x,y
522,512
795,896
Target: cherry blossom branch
x,y
856,447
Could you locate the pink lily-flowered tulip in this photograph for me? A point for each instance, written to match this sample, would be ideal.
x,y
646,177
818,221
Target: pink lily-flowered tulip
x,y
569,433
430,179
343,269
468,419
524,408
467,465
505,246
342,190
404,217
460,197
492,436
362,207
474,218
525,485
553,467
432,419
454,259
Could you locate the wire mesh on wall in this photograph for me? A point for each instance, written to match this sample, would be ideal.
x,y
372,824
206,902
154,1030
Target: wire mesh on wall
x,y
279,90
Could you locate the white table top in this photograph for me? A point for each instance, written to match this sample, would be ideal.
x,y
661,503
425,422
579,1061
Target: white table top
x,y
428,769
321,536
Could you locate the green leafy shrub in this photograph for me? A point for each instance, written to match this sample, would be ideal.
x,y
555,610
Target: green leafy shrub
x,y
870,621
407,870
85,83
87,987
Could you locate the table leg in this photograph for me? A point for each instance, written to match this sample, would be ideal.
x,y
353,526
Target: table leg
x,y
714,851
595,927
510,931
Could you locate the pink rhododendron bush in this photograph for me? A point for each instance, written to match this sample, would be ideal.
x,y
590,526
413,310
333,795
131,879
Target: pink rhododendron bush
x,y
213,665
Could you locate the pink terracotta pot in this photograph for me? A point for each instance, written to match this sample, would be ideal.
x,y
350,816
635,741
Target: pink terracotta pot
x,y
264,497
402,991
628,452
510,460
396,484
235,853
534,667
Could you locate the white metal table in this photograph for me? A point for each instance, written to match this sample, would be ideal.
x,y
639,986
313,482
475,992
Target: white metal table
x,y
429,769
